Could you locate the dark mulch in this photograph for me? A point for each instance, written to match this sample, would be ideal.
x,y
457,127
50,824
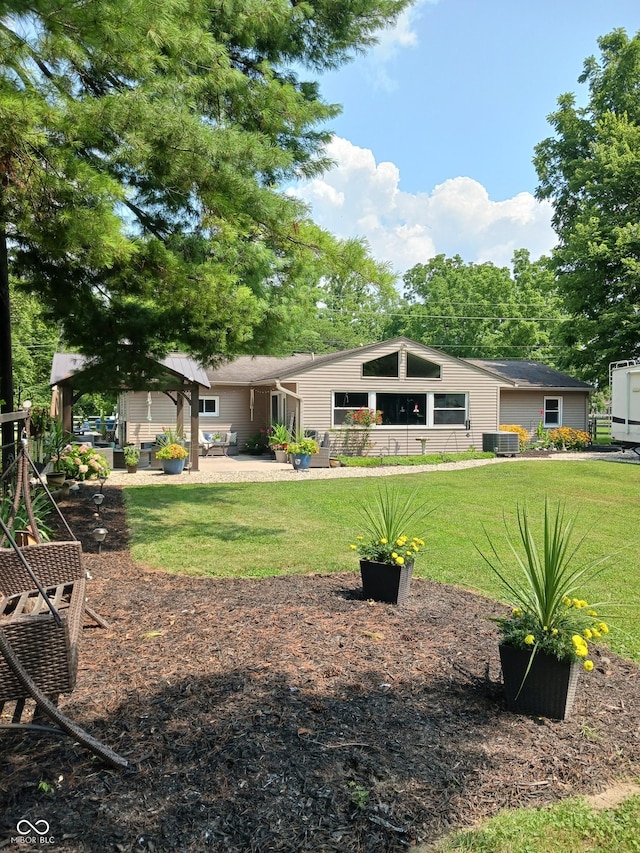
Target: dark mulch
x,y
287,714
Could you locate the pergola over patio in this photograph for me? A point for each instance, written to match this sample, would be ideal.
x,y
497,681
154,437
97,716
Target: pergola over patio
x,y
177,376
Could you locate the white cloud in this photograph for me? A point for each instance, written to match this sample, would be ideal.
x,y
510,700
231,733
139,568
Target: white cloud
x,y
390,42
361,198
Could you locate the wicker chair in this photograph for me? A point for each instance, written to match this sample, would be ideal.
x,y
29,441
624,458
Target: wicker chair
x,y
48,650
40,629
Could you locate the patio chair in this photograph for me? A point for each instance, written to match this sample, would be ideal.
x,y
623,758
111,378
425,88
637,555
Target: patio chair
x,y
209,442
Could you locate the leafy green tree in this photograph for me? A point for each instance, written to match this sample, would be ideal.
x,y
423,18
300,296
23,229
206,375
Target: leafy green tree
x,y
480,310
347,302
590,168
34,342
142,147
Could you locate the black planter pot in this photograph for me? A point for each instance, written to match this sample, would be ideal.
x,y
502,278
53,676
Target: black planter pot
x,y
549,688
385,582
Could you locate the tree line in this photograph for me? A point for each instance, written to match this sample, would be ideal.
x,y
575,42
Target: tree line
x,y
143,151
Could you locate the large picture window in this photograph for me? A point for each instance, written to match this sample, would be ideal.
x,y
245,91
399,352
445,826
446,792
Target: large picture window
x,y
420,410
209,407
402,409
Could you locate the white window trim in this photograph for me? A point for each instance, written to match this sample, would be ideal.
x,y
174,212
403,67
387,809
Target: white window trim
x,y
204,414
281,406
372,404
432,409
371,398
544,409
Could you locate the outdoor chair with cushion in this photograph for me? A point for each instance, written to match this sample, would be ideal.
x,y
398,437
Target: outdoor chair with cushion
x,y
217,443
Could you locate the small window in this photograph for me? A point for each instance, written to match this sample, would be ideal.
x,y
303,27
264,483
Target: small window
x,y
209,407
421,368
552,412
347,401
385,366
449,409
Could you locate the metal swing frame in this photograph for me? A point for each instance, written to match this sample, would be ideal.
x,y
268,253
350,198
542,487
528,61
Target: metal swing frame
x,y
42,610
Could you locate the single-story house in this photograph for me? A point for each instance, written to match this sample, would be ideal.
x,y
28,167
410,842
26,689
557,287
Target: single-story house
x,y
426,398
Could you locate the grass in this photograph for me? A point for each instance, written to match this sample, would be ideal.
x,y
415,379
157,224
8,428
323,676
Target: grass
x,y
415,459
260,529
568,827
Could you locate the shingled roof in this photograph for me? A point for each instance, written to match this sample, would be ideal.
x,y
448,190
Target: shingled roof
x,y
528,374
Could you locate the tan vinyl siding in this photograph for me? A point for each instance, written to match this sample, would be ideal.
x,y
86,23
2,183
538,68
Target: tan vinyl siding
x,y
524,407
139,428
317,388
233,414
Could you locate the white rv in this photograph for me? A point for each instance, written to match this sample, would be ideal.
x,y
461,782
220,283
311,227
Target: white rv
x,y
624,379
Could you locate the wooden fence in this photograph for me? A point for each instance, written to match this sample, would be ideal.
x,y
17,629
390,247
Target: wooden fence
x,y
599,427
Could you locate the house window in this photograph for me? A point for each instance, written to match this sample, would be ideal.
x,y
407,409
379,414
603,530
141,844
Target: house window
x,y
347,401
412,409
449,409
420,368
384,366
552,412
278,408
209,407
402,409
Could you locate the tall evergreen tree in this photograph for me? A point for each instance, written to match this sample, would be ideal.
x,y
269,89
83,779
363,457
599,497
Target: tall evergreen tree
x,y
142,149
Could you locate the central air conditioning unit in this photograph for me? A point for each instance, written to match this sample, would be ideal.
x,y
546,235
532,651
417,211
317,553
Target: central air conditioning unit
x,y
501,443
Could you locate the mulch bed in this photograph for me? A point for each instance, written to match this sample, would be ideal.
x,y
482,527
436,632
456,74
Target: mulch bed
x,y
288,714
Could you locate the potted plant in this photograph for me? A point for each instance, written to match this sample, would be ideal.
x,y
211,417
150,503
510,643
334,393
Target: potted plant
x,y
131,458
39,425
387,551
300,452
545,639
55,442
173,457
279,441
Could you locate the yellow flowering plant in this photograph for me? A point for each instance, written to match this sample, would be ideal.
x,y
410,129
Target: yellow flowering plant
x,y
385,523
547,616
172,451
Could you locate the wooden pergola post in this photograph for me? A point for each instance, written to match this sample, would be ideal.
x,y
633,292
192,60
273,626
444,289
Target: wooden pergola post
x,y
195,419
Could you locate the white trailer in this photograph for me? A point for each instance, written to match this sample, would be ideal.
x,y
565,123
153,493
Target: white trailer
x,y
624,379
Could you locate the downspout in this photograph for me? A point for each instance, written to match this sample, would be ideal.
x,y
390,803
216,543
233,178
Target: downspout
x,y
297,397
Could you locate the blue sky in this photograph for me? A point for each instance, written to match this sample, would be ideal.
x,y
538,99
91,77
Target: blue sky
x,y
440,121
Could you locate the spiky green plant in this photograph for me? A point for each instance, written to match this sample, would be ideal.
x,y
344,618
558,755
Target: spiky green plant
x,y
386,520
547,614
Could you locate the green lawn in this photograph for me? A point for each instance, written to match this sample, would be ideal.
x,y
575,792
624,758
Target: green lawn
x,y
568,827
258,529
244,530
